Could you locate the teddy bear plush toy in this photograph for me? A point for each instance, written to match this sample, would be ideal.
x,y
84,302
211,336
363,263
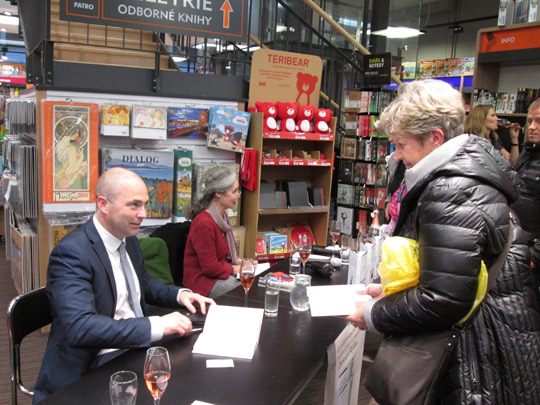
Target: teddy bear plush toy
x,y
287,114
304,117
322,118
269,111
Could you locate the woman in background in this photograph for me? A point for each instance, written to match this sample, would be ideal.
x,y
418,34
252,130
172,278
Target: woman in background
x,y
483,121
210,259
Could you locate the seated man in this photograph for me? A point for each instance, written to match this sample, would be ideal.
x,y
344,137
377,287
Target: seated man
x,y
98,293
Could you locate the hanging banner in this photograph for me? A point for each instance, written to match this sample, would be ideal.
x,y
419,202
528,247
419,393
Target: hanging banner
x,y
378,68
221,19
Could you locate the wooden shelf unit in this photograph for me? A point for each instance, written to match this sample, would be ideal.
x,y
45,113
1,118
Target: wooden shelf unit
x,y
315,174
488,63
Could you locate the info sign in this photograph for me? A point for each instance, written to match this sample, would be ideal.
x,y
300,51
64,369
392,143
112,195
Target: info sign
x,y
378,68
220,19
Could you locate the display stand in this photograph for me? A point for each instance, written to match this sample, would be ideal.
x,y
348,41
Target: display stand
x,y
198,145
315,172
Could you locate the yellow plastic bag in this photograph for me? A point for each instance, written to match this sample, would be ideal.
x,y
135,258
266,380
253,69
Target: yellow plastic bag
x,y
399,268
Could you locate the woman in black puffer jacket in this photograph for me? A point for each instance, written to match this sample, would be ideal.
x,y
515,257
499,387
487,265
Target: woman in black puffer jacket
x,y
457,208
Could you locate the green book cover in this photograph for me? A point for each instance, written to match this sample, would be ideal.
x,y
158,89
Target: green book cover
x,y
183,170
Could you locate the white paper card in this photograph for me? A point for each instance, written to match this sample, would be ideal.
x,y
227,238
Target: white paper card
x,y
215,363
334,300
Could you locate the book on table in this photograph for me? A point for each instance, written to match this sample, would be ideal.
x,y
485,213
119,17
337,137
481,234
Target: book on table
x,y
230,332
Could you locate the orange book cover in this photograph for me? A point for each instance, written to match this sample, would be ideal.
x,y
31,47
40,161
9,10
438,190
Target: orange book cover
x,y
70,152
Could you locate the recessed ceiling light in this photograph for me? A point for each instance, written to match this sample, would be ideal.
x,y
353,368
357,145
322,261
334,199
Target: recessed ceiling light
x,y
398,32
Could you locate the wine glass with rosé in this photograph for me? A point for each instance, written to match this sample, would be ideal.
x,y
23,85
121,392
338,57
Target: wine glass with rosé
x,y
304,249
247,276
157,371
335,231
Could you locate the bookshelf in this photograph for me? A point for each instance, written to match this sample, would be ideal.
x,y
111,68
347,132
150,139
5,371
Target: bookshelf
x,y
316,171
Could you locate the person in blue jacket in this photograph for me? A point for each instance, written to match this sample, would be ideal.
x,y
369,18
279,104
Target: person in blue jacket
x,y
94,318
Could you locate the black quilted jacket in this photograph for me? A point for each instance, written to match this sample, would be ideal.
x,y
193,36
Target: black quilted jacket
x,y
457,208
528,206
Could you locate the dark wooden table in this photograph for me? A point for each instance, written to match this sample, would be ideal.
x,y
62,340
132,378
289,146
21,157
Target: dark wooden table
x,y
291,350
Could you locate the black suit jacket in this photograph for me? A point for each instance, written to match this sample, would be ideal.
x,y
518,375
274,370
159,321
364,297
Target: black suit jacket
x,y
82,291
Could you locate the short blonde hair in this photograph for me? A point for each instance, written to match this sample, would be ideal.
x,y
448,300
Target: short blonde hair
x,y
422,106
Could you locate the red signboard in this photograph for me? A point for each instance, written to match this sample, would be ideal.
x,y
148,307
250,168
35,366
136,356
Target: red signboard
x,y
13,80
12,73
510,40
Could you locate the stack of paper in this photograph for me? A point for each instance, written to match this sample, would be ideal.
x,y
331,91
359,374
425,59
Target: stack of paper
x,y
230,332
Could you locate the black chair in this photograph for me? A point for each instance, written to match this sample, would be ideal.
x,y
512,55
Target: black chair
x,y
175,236
26,314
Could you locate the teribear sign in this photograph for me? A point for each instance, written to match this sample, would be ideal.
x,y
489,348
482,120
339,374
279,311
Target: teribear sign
x,y
222,19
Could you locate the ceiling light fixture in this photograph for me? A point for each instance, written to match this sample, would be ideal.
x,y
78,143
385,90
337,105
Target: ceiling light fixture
x,y
9,20
208,45
283,28
399,32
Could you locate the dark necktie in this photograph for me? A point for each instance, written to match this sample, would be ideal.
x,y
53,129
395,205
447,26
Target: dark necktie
x,y
135,304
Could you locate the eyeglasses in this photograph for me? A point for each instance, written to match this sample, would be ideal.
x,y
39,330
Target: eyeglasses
x,y
235,192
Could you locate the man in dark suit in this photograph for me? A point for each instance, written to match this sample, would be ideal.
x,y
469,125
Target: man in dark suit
x,y
88,283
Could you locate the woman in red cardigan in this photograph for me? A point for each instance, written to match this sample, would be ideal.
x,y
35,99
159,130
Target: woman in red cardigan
x,y
210,259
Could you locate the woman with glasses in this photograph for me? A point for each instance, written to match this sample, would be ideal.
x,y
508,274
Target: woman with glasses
x,y
210,259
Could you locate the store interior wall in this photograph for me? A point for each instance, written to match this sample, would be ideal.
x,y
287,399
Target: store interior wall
x,y
437,42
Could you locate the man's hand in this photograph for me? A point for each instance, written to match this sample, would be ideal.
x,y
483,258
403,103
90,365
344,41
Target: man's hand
x,y
188,298
176,324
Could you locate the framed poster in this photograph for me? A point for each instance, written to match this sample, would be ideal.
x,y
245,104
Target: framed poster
x,y
70,153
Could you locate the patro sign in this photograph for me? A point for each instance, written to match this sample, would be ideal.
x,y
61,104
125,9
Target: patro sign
x,y
220,19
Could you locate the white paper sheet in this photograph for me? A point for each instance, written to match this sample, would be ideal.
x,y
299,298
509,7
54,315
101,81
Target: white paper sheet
x,y
334,300
230,332
261,267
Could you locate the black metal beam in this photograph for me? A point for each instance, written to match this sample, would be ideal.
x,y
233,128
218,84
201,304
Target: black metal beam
x,y
82,77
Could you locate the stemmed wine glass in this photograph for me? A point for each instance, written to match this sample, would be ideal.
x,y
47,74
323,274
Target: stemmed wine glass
x,y
157,371
335,231
247,276
304,249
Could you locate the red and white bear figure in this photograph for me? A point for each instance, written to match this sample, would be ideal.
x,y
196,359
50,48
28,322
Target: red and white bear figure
x,y
269,111
287,114
322,118
304,117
